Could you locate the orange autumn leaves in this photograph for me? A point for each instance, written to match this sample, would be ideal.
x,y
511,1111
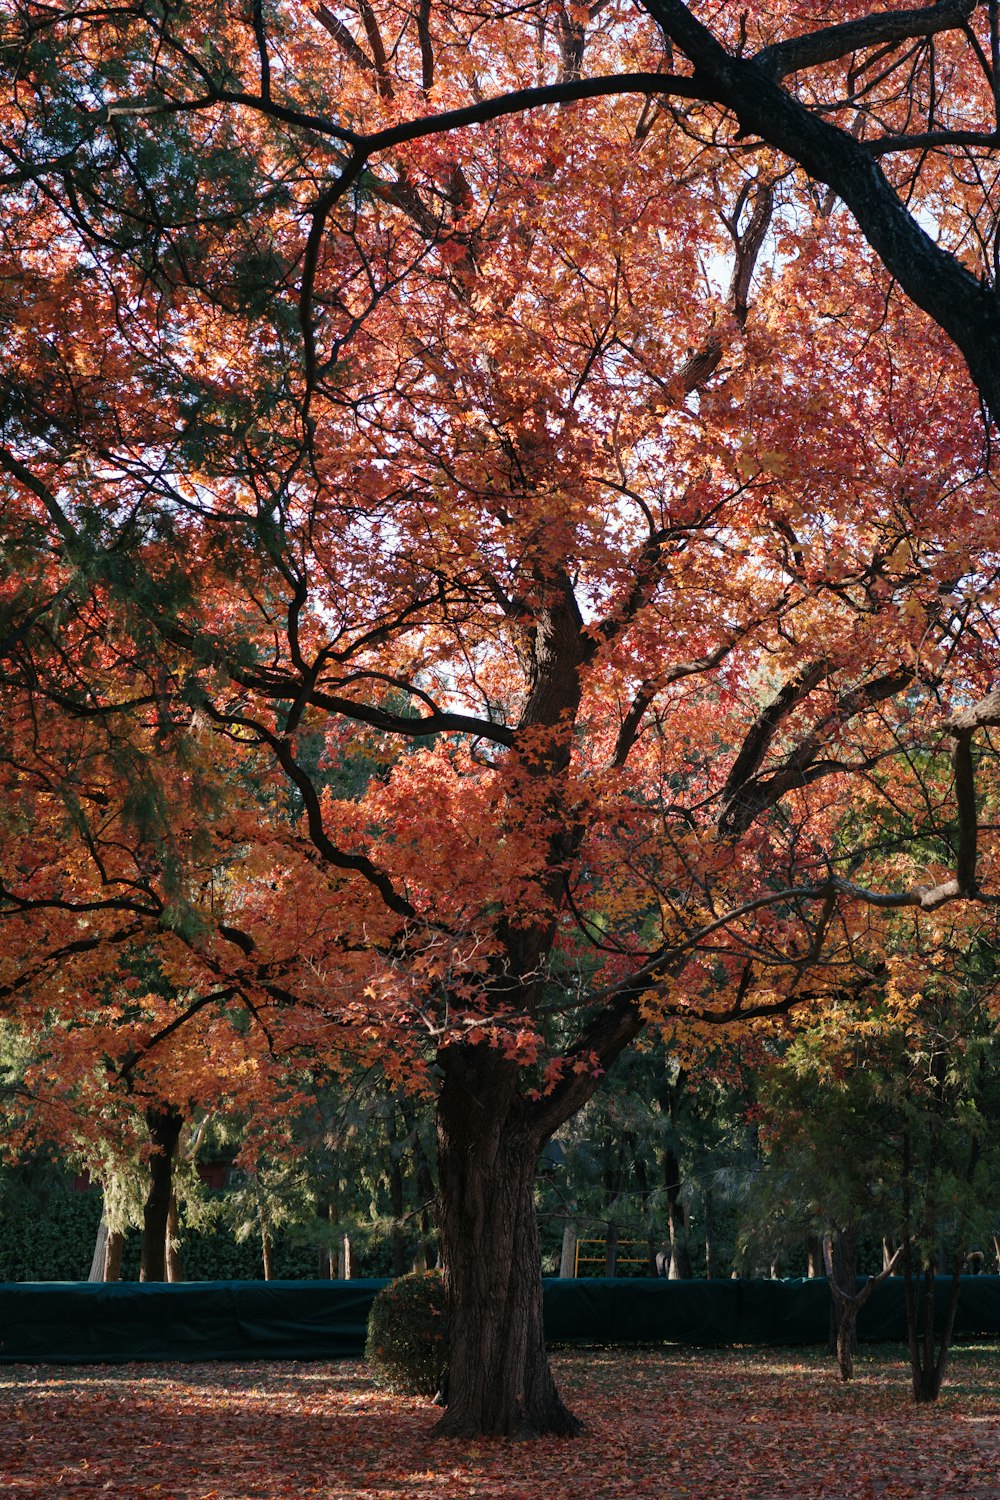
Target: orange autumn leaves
x,y
486,547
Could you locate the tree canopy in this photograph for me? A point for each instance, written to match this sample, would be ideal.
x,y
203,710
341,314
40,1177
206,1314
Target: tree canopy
x,y
499,547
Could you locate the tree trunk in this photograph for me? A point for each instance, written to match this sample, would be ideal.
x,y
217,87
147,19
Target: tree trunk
x,y
841,1251
567,1258
840,1255
106,1264
327,1259
397,1238
266,1248
426,1189
113,1255
677,1219
709,1234
927,1367
344,1267
611,1249
173,1244
164,1129
814,1257
99,1257
499,1379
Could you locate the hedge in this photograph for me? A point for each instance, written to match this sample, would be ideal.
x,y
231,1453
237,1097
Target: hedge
x,y
51,1238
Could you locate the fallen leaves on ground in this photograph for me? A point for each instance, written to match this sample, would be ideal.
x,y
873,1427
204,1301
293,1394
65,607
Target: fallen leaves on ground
x,y
733,1425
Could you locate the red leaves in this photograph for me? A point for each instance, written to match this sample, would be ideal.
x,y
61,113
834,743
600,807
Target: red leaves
x,y
658,1423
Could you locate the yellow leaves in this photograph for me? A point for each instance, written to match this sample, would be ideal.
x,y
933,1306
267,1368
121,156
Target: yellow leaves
x,y
912,610
775,462
901,556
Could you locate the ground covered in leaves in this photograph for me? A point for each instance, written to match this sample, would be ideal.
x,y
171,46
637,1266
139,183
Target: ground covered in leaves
x,y
734,1425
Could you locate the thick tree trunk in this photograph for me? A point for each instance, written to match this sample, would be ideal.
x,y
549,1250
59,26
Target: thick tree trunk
x,y
164,1130
113,1255
499,1378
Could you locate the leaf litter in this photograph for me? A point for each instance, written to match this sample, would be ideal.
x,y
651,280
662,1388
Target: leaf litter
x,y
670,1422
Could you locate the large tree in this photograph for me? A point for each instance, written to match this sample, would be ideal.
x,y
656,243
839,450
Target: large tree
x,y
578,467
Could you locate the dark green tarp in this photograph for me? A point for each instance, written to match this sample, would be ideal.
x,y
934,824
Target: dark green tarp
x,y
98,1323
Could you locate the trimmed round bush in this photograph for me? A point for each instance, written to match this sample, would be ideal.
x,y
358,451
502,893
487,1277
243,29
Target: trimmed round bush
x,y
407,1348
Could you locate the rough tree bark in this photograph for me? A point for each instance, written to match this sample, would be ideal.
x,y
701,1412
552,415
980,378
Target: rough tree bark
x,y
164,1125
499,1378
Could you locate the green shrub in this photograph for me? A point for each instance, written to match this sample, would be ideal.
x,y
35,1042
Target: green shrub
x,y
407,1348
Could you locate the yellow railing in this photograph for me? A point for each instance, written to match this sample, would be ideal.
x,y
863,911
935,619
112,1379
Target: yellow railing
x,y
627,1260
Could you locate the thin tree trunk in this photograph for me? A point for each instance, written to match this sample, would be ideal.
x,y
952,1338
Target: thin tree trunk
x,y
611,1249
266,1251
677,1220
814,1256
499,1378
841,1271
928,1368
567,1257
99,1258
327,1263
173,1244
344,1266
106,1263
164,1126
397,1238
426,1190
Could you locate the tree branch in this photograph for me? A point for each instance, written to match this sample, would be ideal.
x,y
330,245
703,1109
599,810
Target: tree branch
x,y
832,42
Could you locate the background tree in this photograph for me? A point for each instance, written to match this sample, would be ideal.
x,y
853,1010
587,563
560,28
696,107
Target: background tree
x,y
875,1123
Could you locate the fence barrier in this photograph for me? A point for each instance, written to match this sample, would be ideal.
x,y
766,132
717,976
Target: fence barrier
x,y
613,1247
114,1322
